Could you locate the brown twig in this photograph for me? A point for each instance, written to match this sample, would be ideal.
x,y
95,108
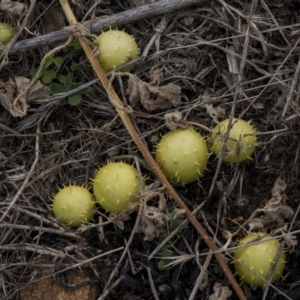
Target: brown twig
x,y
121,109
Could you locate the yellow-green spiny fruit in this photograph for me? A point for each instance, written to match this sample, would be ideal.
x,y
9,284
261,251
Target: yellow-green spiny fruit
x,y
258,259
74,205
182,155
115,49
116,186
7,32
241,142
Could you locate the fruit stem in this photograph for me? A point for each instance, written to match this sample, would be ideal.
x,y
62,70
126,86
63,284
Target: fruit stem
x,y
122,111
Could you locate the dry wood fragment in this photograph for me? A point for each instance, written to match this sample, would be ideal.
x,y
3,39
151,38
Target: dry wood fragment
x,y
95,26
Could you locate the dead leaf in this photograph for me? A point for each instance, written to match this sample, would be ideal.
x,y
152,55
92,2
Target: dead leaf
x,y
52,20
174,120
291,240
216,113
38,91
156,77
220,292
279,187
151,96
14,101
275,211
134,90
152,218
12,8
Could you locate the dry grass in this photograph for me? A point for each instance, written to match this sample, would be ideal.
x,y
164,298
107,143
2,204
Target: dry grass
x,y
241,56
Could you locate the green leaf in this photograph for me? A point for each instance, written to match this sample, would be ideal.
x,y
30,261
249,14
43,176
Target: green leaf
x,y
76,85
51,73
46,79
62,79
68,82
48,62
56,88
73,68
174,222
164,253
76,44
162,264
75,99
33,72
48,76
58,61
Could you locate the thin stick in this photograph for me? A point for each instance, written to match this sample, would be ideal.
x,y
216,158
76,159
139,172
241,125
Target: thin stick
x,y
73,266
121,109
153,289
95,26
40,229
37,155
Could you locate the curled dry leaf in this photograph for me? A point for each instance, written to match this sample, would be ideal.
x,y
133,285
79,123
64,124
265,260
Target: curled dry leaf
x,y
152,218
291,240
12,8
151,96
174,120
119,219
275,211
220,292
156,77
13,98
217,113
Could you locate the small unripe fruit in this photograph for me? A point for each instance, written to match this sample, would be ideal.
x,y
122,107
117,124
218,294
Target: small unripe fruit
x,y
241,142
74,205
116,186
116,48
6,32
258,258
182,155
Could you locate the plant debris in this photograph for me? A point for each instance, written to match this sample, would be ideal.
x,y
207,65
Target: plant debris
x,y
151,95
13,8
15,97
275,211
220,292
